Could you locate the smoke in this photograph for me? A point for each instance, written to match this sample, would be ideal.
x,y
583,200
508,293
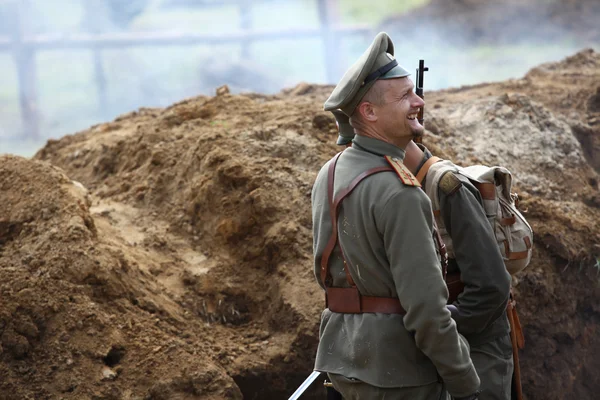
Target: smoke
x,y
469,42
463,42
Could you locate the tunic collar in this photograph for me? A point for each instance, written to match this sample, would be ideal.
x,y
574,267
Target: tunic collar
x,y
378,147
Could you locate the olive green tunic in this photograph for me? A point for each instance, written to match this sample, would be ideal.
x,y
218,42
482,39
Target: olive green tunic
x,y
385,230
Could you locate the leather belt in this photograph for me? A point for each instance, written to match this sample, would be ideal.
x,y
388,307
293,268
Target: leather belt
x,y
350,301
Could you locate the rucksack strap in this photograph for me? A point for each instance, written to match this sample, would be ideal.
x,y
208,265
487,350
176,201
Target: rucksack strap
x,y
423,171
487,190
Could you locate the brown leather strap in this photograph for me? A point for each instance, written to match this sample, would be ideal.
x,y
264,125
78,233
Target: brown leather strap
x,y
516,323
333,210
425,168
508,221
517,255
441,248
325,275
350,301
331,177
341,196
518,342
487,190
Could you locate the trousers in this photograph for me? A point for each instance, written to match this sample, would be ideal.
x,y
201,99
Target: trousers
x,y
353,389
494,364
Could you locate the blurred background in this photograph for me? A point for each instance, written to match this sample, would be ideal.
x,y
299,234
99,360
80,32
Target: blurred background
x,y
68,64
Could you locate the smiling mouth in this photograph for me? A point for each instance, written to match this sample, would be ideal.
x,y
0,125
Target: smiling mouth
x,y
412,116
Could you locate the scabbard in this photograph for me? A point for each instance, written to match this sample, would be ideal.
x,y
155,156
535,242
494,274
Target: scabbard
x,y
518,342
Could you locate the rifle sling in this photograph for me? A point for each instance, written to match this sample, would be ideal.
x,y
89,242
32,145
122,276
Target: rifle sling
x,y
425,168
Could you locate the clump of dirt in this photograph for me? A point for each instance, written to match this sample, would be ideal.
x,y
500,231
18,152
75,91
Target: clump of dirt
x,y
181,266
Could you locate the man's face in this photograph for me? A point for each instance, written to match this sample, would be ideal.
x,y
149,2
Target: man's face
x,y
397,115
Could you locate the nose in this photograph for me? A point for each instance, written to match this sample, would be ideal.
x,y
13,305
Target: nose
x,y
417,102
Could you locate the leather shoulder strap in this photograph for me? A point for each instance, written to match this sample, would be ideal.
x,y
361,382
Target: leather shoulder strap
x,y
425,168
334,211
325,274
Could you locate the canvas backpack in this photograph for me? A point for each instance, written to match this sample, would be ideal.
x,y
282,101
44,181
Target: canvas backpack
x,y
513,234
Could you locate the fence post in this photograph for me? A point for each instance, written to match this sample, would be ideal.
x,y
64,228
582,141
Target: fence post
x,y
26,74
92,9
328,11
245,25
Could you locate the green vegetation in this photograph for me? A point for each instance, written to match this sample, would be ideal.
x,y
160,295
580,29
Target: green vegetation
x,y
373,12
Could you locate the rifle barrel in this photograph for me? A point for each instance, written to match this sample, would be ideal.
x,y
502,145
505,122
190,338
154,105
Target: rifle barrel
x,y
419,91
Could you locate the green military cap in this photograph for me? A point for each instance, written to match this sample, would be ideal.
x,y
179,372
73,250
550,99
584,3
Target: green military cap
x,y
345,130
377,62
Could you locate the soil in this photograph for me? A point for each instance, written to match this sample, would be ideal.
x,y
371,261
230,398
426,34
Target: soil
x,y
168,254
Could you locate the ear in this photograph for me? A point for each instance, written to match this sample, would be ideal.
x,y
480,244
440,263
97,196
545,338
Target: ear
x,y
367,111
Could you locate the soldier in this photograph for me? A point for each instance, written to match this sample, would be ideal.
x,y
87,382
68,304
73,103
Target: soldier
x,y
386,331
479,310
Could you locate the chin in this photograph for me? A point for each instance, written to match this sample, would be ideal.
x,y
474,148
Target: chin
x,y
418,133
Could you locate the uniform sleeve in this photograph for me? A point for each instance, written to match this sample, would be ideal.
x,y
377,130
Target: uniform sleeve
x,y
406,222
482,270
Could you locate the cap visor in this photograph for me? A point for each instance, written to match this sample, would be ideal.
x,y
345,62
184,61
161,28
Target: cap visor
x,y
396,72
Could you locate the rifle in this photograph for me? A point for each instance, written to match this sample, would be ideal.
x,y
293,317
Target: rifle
x,y
419,91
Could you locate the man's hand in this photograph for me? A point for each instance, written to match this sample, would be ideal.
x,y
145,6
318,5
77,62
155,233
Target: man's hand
x,y
453,310
474,396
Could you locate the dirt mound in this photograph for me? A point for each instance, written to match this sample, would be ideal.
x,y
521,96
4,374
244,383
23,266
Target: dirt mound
x,y
181,266
81,315
219,188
